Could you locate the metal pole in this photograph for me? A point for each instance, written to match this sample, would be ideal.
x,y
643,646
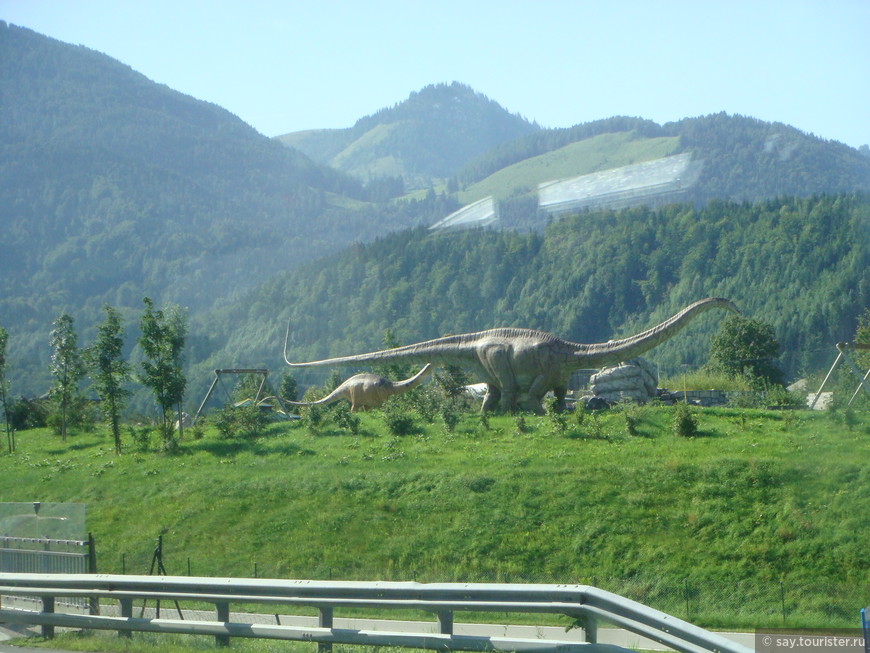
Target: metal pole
x,y
858,389
48,606
207,395
830,371
126,611
324,620
782,599
94,602
686,593
223,615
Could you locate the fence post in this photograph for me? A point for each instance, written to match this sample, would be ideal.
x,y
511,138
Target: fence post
x,y
686,593
445,622
48,606
324,620
590,629
127,612
782,599
223,615
93,602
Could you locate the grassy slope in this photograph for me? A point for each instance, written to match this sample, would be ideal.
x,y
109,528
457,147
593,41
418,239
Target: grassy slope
x,y
758,498
583,157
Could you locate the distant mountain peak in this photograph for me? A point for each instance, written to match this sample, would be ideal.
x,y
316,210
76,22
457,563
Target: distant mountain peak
x,y
424,139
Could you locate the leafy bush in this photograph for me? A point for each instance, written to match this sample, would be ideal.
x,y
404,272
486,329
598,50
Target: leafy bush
x,y
27,414
745,347
344,419
141,437
558,420
450,417
240,421
685,421
81,415
399,423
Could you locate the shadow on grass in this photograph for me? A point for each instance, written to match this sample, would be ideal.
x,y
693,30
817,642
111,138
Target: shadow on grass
x,y
66,447
230,447
702,433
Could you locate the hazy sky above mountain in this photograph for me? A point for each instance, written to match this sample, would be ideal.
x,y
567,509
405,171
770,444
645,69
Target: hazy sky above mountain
x,y
288,65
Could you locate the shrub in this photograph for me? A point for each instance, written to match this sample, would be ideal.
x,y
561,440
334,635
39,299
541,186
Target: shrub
x,y
631,417
344,419
450,417
27,414
557,418
141,437
244,421
685,421
399,423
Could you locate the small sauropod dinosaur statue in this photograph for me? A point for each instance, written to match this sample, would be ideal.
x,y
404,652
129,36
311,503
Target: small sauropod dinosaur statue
x,y
520,366
365,390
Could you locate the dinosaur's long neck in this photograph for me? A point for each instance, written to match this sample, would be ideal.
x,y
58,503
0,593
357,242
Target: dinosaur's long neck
x,y
415,380
615,351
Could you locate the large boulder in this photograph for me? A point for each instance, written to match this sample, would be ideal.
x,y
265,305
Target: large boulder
x,y
633,380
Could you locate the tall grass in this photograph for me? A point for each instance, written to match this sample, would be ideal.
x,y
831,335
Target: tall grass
x,y
755,498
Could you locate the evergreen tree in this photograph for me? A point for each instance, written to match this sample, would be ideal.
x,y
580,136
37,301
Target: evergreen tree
x,y
109,371
66,367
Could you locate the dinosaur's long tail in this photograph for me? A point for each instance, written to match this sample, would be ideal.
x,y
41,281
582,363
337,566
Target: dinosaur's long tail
x,y
440,350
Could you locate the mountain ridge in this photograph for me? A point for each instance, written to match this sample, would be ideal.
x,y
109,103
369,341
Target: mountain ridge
x,y
115,187
448,123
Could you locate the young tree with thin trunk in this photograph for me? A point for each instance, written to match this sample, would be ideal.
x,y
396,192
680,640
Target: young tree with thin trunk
x,y
109,371
162,341
66,367
4,391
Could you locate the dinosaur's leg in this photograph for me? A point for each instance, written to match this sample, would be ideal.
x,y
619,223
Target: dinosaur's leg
x,y
508,401
534,401
491,398
560,393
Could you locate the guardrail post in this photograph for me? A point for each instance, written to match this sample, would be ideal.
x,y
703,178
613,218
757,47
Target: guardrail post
x,y
324,620
445,622
94,602
48,606
127,613
223,615
590,630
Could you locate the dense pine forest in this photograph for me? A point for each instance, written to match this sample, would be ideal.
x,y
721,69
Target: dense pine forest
x,y
799,264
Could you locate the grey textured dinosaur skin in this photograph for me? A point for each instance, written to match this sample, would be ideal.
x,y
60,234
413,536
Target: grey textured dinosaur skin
x,y
365,390
520,366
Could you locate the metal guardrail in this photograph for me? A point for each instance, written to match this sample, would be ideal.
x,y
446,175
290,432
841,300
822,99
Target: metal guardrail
x,y
587,605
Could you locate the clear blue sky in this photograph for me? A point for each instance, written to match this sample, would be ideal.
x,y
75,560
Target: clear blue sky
x,y
288,65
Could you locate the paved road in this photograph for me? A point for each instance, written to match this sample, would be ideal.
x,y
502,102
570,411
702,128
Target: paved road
x,y
615,636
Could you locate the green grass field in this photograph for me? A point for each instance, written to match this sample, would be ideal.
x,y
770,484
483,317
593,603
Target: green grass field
x,y
757,521
583,157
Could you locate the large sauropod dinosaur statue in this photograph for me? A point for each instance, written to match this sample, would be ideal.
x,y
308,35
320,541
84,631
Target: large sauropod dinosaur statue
x,y
365,391
520,366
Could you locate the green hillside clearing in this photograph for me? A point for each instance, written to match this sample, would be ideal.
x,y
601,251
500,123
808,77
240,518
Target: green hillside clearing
x,y
594,154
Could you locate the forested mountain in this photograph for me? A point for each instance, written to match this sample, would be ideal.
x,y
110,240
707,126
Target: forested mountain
x,y
424,140
802,265
114,187
739,157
